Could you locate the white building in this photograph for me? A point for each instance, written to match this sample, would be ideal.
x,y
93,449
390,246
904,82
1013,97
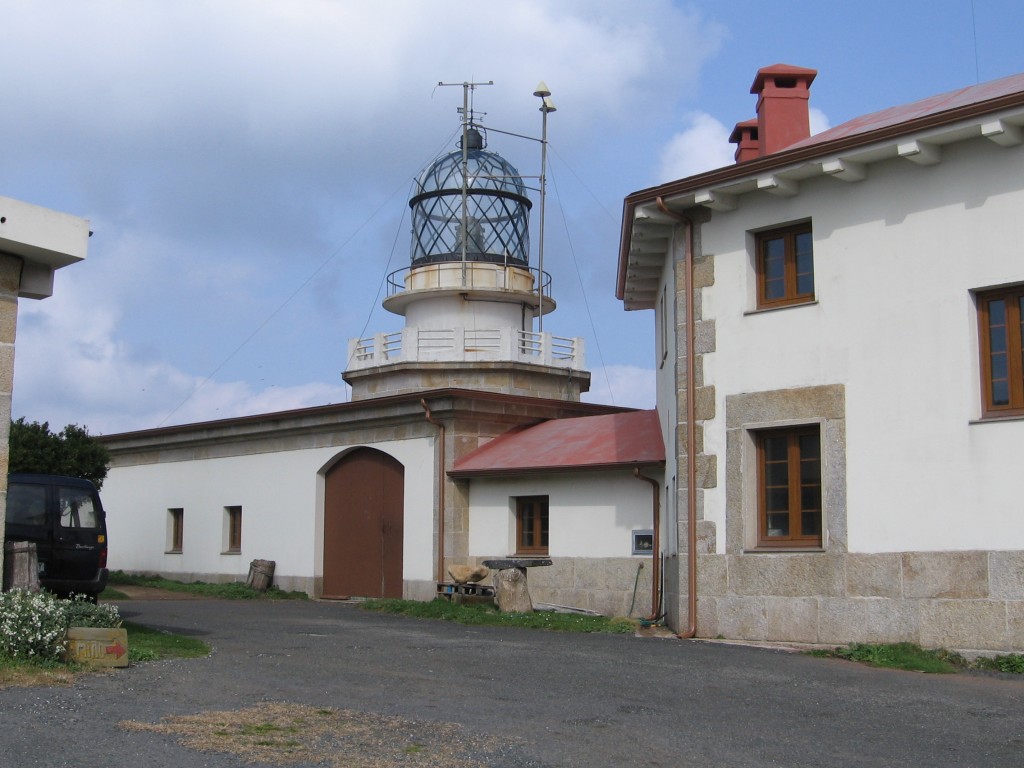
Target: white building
x,y
377,497
839,321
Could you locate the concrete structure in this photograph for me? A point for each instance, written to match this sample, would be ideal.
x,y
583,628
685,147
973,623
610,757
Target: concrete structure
x,y
366,498
846,307
34,243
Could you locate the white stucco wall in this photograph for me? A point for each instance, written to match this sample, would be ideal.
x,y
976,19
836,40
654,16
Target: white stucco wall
x,y
456,312
896,257
281,495
589,514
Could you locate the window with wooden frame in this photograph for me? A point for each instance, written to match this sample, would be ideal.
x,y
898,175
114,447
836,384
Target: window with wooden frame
x,y
233,530
175,530
785,266
532,525
789,487
1001,324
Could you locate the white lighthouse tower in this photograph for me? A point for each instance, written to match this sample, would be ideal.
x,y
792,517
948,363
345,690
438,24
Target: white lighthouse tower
x,y
469,295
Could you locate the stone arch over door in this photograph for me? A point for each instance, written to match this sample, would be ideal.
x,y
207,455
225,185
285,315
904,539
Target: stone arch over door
x,y
363,525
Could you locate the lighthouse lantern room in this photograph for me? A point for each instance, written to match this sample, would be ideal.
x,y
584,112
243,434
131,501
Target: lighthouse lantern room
x,y
469,296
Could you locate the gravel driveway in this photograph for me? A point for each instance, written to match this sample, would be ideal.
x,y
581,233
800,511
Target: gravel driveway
x,y
418,692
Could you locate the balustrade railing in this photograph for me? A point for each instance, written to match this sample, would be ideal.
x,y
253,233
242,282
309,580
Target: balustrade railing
x,y
465,345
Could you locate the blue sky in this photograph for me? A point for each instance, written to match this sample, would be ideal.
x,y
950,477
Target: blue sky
x,y
246,165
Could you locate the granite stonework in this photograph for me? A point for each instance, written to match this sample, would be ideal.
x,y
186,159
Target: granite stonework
x,y
1006,575
954,575
523,379
874,575
613,586
935,599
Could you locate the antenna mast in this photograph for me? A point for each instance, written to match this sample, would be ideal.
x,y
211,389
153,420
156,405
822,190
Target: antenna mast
x,y
467,120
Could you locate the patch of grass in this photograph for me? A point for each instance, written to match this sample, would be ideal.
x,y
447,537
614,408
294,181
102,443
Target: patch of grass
x,y
1013,663
26,674
227,591
488,615
148,644
906,656
110,594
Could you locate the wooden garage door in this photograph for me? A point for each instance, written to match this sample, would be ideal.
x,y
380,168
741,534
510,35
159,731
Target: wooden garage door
x,y
363,514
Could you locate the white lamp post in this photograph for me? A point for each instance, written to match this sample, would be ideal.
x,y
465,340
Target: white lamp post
x,y
546,106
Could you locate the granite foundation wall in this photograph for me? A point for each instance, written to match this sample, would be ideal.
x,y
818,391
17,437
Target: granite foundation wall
x,y
966,601
612,586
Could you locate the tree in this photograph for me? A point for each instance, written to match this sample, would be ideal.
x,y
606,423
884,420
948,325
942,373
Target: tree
x,y
72,451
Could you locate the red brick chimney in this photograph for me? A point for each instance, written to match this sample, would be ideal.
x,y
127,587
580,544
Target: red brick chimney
x,y
744,136
782,93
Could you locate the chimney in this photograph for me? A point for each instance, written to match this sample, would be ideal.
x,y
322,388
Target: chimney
x,y
744,136
782,93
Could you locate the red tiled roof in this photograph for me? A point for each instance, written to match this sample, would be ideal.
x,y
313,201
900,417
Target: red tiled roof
x,y
586,442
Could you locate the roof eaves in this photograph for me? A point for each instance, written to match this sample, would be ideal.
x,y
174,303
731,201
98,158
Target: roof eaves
x,y
550,469
802,154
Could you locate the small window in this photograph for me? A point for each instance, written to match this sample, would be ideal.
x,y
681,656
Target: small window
x,y
785,267
789,487
1001,323
532,525
233,530
643,542
175,530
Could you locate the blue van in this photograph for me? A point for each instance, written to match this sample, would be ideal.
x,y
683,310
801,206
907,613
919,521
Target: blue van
x,y
65,519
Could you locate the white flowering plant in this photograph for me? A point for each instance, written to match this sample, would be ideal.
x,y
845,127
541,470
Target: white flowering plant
x,y
33,625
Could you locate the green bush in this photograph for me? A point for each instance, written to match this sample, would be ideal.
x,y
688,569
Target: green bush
x,y
33,625
82,612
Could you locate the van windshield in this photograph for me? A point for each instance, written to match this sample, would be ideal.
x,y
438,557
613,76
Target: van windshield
x,y
77,509
26,504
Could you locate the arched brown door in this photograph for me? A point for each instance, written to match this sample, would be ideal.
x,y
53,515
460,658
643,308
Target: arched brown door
x,y
363,515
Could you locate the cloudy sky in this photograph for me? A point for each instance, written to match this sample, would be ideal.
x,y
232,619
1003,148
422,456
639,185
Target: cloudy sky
x,y
245,165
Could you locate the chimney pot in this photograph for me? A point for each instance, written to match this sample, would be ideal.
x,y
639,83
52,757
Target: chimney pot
x,y
782,92
744,136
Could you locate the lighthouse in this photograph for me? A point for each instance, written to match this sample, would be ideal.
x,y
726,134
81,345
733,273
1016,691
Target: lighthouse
x,y
469,296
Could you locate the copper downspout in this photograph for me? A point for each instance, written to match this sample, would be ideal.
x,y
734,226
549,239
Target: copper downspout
x,y
656,548
691,432
440,491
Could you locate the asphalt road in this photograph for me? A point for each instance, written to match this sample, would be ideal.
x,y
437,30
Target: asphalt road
x,y
553,699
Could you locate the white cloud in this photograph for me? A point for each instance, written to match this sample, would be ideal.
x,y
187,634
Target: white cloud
x,y
702,146
224,152
628,386
819,121
71,369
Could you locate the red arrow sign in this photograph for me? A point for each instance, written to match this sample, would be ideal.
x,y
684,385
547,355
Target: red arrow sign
x,y
117,649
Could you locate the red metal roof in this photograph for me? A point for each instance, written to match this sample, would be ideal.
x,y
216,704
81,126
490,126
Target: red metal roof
x,y
905,113
586,442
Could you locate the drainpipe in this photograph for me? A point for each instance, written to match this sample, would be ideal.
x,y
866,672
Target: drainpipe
x,y
440,490
691,432
656,553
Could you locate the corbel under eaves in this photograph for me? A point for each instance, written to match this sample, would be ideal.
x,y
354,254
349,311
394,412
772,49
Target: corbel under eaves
x,y
1002,133
778,186
920,152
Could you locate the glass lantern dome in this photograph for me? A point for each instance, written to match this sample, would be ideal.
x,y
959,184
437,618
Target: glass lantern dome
x,y
495,227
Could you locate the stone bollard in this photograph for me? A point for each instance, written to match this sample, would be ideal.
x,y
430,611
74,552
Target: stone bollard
x,y
511,592
21,566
